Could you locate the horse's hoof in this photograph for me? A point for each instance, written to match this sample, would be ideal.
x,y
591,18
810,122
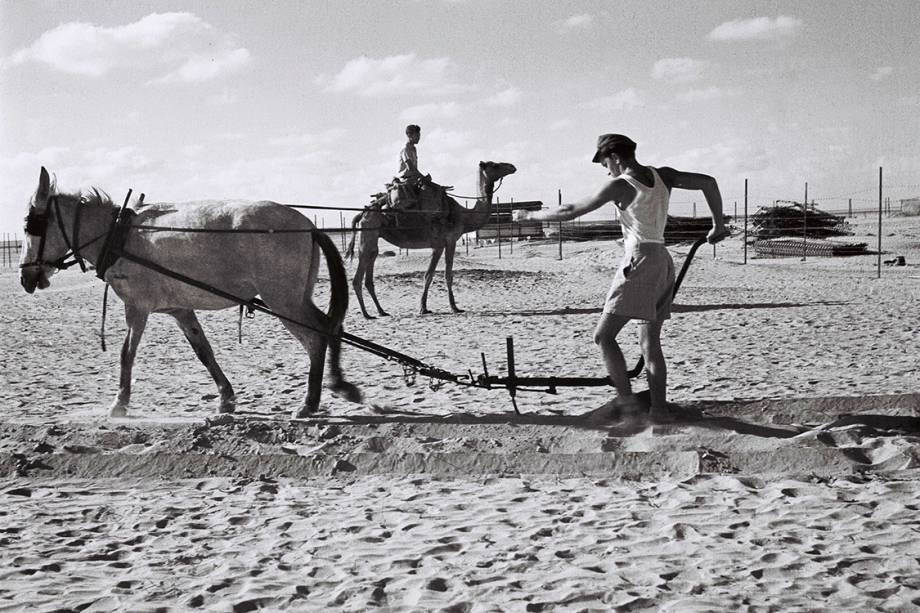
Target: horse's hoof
x,y
458,310
368,316
119,410
384,314
303,413
424,312
348,391
227,405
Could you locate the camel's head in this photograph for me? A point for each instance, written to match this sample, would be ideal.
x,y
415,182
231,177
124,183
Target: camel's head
x,y
493,171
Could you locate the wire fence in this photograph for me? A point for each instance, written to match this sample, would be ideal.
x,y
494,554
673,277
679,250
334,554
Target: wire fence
x,y
10,245
812,227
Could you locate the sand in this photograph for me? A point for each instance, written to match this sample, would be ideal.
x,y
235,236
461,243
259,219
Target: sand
x,y
796,490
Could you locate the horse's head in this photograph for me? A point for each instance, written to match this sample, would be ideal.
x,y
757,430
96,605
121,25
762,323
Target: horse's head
x,y
43,245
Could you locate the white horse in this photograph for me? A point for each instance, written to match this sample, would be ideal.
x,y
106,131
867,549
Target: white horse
x,y
228,247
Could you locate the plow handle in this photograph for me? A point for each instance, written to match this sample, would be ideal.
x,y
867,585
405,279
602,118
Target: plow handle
x,y
640,364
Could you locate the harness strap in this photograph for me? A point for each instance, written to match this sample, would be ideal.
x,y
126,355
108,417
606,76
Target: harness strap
x,y
105,305
115,239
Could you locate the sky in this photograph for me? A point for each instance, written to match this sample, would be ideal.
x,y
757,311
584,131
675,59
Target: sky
x,y
306,102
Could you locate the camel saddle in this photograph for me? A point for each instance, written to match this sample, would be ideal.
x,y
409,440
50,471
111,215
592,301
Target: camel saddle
x,y
415,195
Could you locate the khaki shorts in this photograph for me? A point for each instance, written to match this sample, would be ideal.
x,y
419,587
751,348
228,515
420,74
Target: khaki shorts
x,y
644,284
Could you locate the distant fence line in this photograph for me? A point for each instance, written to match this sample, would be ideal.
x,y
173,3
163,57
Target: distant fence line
x,y
738,212
9,251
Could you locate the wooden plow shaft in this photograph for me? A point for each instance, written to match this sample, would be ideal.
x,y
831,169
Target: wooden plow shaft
x,y
512,382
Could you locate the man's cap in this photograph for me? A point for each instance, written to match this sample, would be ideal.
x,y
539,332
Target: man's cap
x,y
606,142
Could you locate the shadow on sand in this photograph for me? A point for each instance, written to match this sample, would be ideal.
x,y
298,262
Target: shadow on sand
x,y
768,418
676,308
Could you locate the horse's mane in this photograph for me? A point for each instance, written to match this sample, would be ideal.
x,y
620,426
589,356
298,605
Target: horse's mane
x,y
92,195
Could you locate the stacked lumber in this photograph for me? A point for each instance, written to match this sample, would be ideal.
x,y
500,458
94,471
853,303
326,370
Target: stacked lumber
x,y
795,220
678,229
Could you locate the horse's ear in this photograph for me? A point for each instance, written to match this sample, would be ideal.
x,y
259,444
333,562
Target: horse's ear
x,y
481,164
44,185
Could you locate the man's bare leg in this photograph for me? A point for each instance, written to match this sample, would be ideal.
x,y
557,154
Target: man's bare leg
x,y
605,336
655,367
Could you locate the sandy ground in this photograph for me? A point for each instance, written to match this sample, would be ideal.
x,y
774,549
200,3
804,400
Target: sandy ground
x,y
797,489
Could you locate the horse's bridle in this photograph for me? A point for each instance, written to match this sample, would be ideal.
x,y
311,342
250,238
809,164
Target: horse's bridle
x,y
37,226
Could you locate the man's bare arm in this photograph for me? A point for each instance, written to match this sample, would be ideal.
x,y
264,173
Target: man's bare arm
x,y
612,191
709,187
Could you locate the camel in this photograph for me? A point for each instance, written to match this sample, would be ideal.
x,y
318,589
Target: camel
x,y
437,223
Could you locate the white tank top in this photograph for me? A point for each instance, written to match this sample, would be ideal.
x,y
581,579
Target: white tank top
x,y
644,219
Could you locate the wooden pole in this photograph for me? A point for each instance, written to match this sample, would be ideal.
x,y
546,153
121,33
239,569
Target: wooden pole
x,y
805,222
511,224
850,208
745,219
560,227
498,223
879,265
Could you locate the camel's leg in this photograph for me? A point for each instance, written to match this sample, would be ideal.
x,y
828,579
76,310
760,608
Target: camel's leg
x,y
189,325
429,275
449,275
369,284
367,253
136,320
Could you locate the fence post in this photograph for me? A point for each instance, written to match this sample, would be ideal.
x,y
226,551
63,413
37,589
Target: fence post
x,y
498,223
560,227
850,208
805,222
745,219
879,222
511,225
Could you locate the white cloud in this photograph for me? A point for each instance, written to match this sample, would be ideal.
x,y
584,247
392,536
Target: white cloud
x,y
420,112
626,100
881,72
505,98
206,67
190,49
577,22
679,69
393,75
701,95
756,28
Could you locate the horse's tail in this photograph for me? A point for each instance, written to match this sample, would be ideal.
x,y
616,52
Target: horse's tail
x,y
338,280
350,252
338,307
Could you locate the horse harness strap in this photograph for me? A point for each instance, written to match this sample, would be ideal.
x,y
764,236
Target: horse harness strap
x,y
113,247
37,225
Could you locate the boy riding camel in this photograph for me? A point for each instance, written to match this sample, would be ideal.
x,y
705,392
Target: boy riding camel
x,y
643,285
